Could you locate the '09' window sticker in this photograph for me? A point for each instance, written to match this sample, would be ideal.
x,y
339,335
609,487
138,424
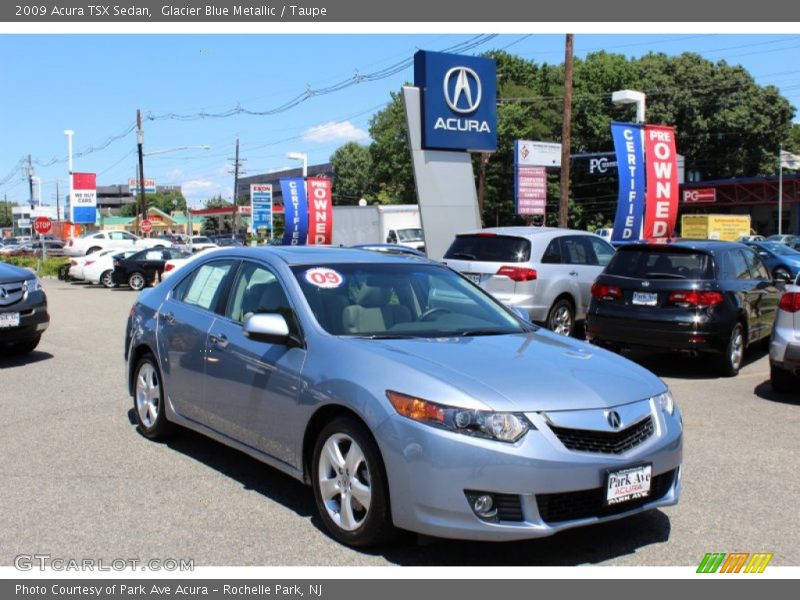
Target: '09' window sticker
x,y
323,277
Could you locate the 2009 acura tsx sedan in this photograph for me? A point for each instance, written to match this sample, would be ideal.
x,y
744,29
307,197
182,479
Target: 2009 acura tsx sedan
x,y
402,393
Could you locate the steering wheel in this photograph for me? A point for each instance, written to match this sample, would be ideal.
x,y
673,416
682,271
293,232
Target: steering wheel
x,y
432,311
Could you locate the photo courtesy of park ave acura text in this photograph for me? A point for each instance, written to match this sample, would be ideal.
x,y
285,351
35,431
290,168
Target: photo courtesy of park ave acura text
x,y
439,298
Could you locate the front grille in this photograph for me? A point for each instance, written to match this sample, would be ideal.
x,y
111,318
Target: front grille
x,y
509,507
11,293
605,442
570,506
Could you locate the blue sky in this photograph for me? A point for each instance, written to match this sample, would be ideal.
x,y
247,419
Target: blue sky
x,y
93,84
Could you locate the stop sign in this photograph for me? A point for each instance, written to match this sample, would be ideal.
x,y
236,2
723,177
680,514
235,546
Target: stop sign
x,y
42,225
146,226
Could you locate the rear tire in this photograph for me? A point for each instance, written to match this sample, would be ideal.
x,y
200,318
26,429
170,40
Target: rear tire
x,y
137,281
561,318
92,250
107,279
733,356
781,274
782,380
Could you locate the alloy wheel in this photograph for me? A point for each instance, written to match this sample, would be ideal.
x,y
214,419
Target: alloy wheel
x,y
344,481
737,348
148,394
136,281
561,321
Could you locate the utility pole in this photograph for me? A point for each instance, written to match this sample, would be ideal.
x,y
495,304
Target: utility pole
x,y
140,145
30,179
58,203
237,164
566,135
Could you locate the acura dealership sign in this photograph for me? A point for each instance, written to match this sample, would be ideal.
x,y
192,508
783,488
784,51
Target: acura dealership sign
x,y
459,109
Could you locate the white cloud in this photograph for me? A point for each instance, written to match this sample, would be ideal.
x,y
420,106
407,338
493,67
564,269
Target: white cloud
x,y
335,131
175,173
196,191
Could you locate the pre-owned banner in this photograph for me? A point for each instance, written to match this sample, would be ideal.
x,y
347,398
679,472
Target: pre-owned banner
x,y
662,182
320,210
631,169
295,209
83,200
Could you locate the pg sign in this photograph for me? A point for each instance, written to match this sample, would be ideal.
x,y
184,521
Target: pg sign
x,y
459,109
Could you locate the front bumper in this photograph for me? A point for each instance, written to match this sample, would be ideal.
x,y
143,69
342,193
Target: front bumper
x,y
33,316
552,488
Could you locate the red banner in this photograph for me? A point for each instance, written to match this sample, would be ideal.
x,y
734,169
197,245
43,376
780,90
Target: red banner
x,y
661,205
320,210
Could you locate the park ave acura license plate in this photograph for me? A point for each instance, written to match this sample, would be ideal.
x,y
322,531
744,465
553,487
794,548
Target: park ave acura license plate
x,y
628,484
9,319
645,298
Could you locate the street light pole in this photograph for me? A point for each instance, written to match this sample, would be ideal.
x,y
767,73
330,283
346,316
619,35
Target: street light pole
x,y
69,133
301,156
140,148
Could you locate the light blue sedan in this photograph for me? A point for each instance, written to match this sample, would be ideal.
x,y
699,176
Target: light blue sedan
x,y
405,395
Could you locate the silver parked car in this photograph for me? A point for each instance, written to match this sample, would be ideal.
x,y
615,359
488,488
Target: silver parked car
x,y
784,347
548,272
403,394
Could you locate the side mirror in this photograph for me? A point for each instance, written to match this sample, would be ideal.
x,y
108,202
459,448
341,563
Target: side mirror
x,y
267,327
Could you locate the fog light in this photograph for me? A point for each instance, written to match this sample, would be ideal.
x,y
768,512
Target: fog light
x,y
482,505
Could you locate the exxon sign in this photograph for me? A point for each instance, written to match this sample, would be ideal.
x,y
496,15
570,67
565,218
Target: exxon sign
x,y
459,106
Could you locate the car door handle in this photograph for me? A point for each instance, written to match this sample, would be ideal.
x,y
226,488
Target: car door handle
x,y
169,318
220,341
573,273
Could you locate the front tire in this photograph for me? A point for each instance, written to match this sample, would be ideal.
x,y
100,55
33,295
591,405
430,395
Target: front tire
x,y
137,282
148,399
561,318
782,380
733,356
350,486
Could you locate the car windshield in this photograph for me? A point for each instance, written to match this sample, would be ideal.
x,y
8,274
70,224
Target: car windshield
x,y
660,264
780,249
488,247
391,300
409,235
201,240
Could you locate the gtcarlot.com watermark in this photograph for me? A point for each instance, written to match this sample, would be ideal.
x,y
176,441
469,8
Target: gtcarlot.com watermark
x,y
43,562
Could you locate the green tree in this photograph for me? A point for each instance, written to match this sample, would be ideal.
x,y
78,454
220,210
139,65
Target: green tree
x,y
392,175
352,166
212,224
6,215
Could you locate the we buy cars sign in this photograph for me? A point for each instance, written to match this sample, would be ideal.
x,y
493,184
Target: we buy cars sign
x,y
661,206
83,198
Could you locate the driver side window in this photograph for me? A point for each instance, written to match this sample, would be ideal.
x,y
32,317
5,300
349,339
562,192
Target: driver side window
x,y
256,290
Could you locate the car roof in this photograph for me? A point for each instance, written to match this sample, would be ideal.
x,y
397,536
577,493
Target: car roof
x,y
688,244
528,231
310,255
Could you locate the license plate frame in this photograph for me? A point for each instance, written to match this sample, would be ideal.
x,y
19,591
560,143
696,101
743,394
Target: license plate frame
x,y
644,298
9,320
639,489
473,277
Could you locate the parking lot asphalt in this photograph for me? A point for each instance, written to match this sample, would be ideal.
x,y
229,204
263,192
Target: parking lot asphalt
x,y
78,481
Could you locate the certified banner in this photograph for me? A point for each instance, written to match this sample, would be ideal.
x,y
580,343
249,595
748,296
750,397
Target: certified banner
x,y
295,209
261,207
631,169
320,210
83,203
662,182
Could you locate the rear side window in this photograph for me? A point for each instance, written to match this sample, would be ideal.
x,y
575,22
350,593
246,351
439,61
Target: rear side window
x,y
490,248
660,264
203,287
737,267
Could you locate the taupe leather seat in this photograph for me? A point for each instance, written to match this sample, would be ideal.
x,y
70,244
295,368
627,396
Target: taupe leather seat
x,y
372,312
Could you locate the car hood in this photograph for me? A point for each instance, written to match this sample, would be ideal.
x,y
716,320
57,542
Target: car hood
x,y
525,372
9,273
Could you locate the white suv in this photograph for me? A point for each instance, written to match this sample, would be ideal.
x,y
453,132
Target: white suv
x,y
784,347
109,240
546,271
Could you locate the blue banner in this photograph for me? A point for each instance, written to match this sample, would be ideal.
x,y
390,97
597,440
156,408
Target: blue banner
x,y
631,168
295,211
261,207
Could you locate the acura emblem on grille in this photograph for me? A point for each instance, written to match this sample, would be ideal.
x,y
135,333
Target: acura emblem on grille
x,y
614,419
645,284
3,293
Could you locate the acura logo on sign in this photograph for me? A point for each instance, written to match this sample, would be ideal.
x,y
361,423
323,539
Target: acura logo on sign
x,y
464,94
614,419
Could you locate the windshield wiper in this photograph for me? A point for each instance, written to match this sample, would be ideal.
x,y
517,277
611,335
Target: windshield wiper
x,y
664,276
385,336
477,332
462,255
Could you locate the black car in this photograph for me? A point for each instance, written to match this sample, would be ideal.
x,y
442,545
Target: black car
x,y
698,296
141,269
23,310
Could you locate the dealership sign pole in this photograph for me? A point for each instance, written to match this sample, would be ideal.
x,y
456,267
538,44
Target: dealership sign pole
x,y
630,166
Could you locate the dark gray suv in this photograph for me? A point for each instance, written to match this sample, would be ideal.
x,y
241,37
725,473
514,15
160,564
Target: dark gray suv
x,y
23,310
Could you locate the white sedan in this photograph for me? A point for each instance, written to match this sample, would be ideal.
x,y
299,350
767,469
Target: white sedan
x,y
101,270
79,263
94,241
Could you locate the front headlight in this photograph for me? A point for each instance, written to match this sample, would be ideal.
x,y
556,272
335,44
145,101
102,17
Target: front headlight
x,y
500,426
32,285
666,402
